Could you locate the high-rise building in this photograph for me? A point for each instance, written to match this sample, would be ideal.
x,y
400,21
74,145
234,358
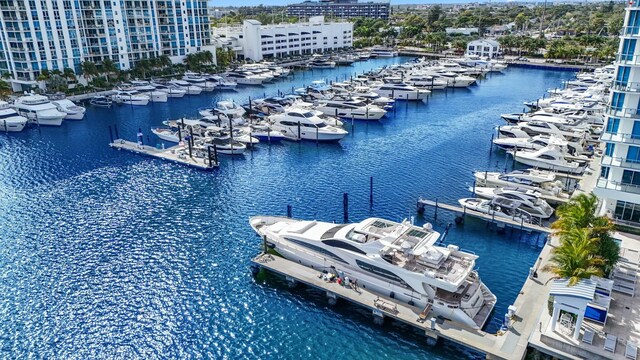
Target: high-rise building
x,y
255,41
345,9
619,182
58,34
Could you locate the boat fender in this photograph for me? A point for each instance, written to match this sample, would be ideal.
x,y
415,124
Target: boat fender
x,y
392,295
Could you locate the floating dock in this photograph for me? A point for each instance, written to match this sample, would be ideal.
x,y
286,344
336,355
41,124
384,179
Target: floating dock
x,y
516,224
176,154
504,346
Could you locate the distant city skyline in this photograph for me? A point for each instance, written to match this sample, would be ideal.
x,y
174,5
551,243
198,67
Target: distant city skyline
x,y
225,3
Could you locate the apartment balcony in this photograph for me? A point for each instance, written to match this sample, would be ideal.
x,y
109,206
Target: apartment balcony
x,y
617,186
620,162
632,113
627,59
626,86
621,138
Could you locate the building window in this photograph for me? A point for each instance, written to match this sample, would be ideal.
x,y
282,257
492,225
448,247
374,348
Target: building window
x,y
604,172
612,125
608,150
627,211
633,154
617,101
630,177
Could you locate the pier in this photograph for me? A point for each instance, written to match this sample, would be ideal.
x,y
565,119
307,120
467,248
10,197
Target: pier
x,y
491,218
505,345
176,154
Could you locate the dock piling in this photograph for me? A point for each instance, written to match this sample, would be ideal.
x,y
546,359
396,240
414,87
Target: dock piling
x,y
370,191
115,129
110,132
289,211
345,207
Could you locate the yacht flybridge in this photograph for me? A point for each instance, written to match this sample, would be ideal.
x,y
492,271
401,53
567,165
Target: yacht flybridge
x,y
393,259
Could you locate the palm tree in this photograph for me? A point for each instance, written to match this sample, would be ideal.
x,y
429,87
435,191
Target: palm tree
x,y
5,89
164,61
89,69
576,258
142,67
109,67
68,73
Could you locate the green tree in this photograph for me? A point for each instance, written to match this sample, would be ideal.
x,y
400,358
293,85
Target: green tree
x,y
57,83
576,258
5,89
89,69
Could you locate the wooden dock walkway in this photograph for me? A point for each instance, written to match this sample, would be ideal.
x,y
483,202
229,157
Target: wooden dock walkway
x,y
516,224
177,154
494,346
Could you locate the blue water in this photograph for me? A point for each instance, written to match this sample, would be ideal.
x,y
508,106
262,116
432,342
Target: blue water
x,y
107,254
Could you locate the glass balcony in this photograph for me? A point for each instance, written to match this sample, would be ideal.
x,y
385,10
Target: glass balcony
x,y
628,59
620,162
623,138
623,112
617,186
626,86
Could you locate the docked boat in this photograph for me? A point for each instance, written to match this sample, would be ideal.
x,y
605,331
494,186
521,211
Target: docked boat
x,y
550,158
181,84
533,143
171,90
541,180
426,81
396,260
144,87
10,120
350,109
499,207
130,97
73,111
100,101
322,64
166,134
243,78
196,80
230,109
530,200
225,146
222,83
39,109
383,52
401,92
265,133
305,124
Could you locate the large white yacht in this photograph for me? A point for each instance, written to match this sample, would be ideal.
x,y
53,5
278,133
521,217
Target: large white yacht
x,y
244,78
351,109
146,88
550,157
10,121
393,259
73,111
401,92
39,109
181,84
305,124
541,180
171,90
130,97
197,80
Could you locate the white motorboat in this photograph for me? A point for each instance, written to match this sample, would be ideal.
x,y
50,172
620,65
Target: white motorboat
x,y
541,180
144,87
533,143
130,97
322,64
243,78
167,134
225,146
530,200
396,260
222,83
499,207
350,109
10,120
197,80
305,124
73,111
383,52
426,81
181,84
39,109
171,90
456,80
551,158
100,101
401,92
230,108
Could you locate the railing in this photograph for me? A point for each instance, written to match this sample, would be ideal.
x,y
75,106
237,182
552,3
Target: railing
x,y
631,30
626,86
623,112
620,162
625,138
628,59
618,186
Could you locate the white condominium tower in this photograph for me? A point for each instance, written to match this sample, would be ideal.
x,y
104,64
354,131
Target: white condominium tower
x,y
58,34
619,182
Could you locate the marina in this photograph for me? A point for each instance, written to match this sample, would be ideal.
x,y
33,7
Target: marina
x,y
177,154
256,183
